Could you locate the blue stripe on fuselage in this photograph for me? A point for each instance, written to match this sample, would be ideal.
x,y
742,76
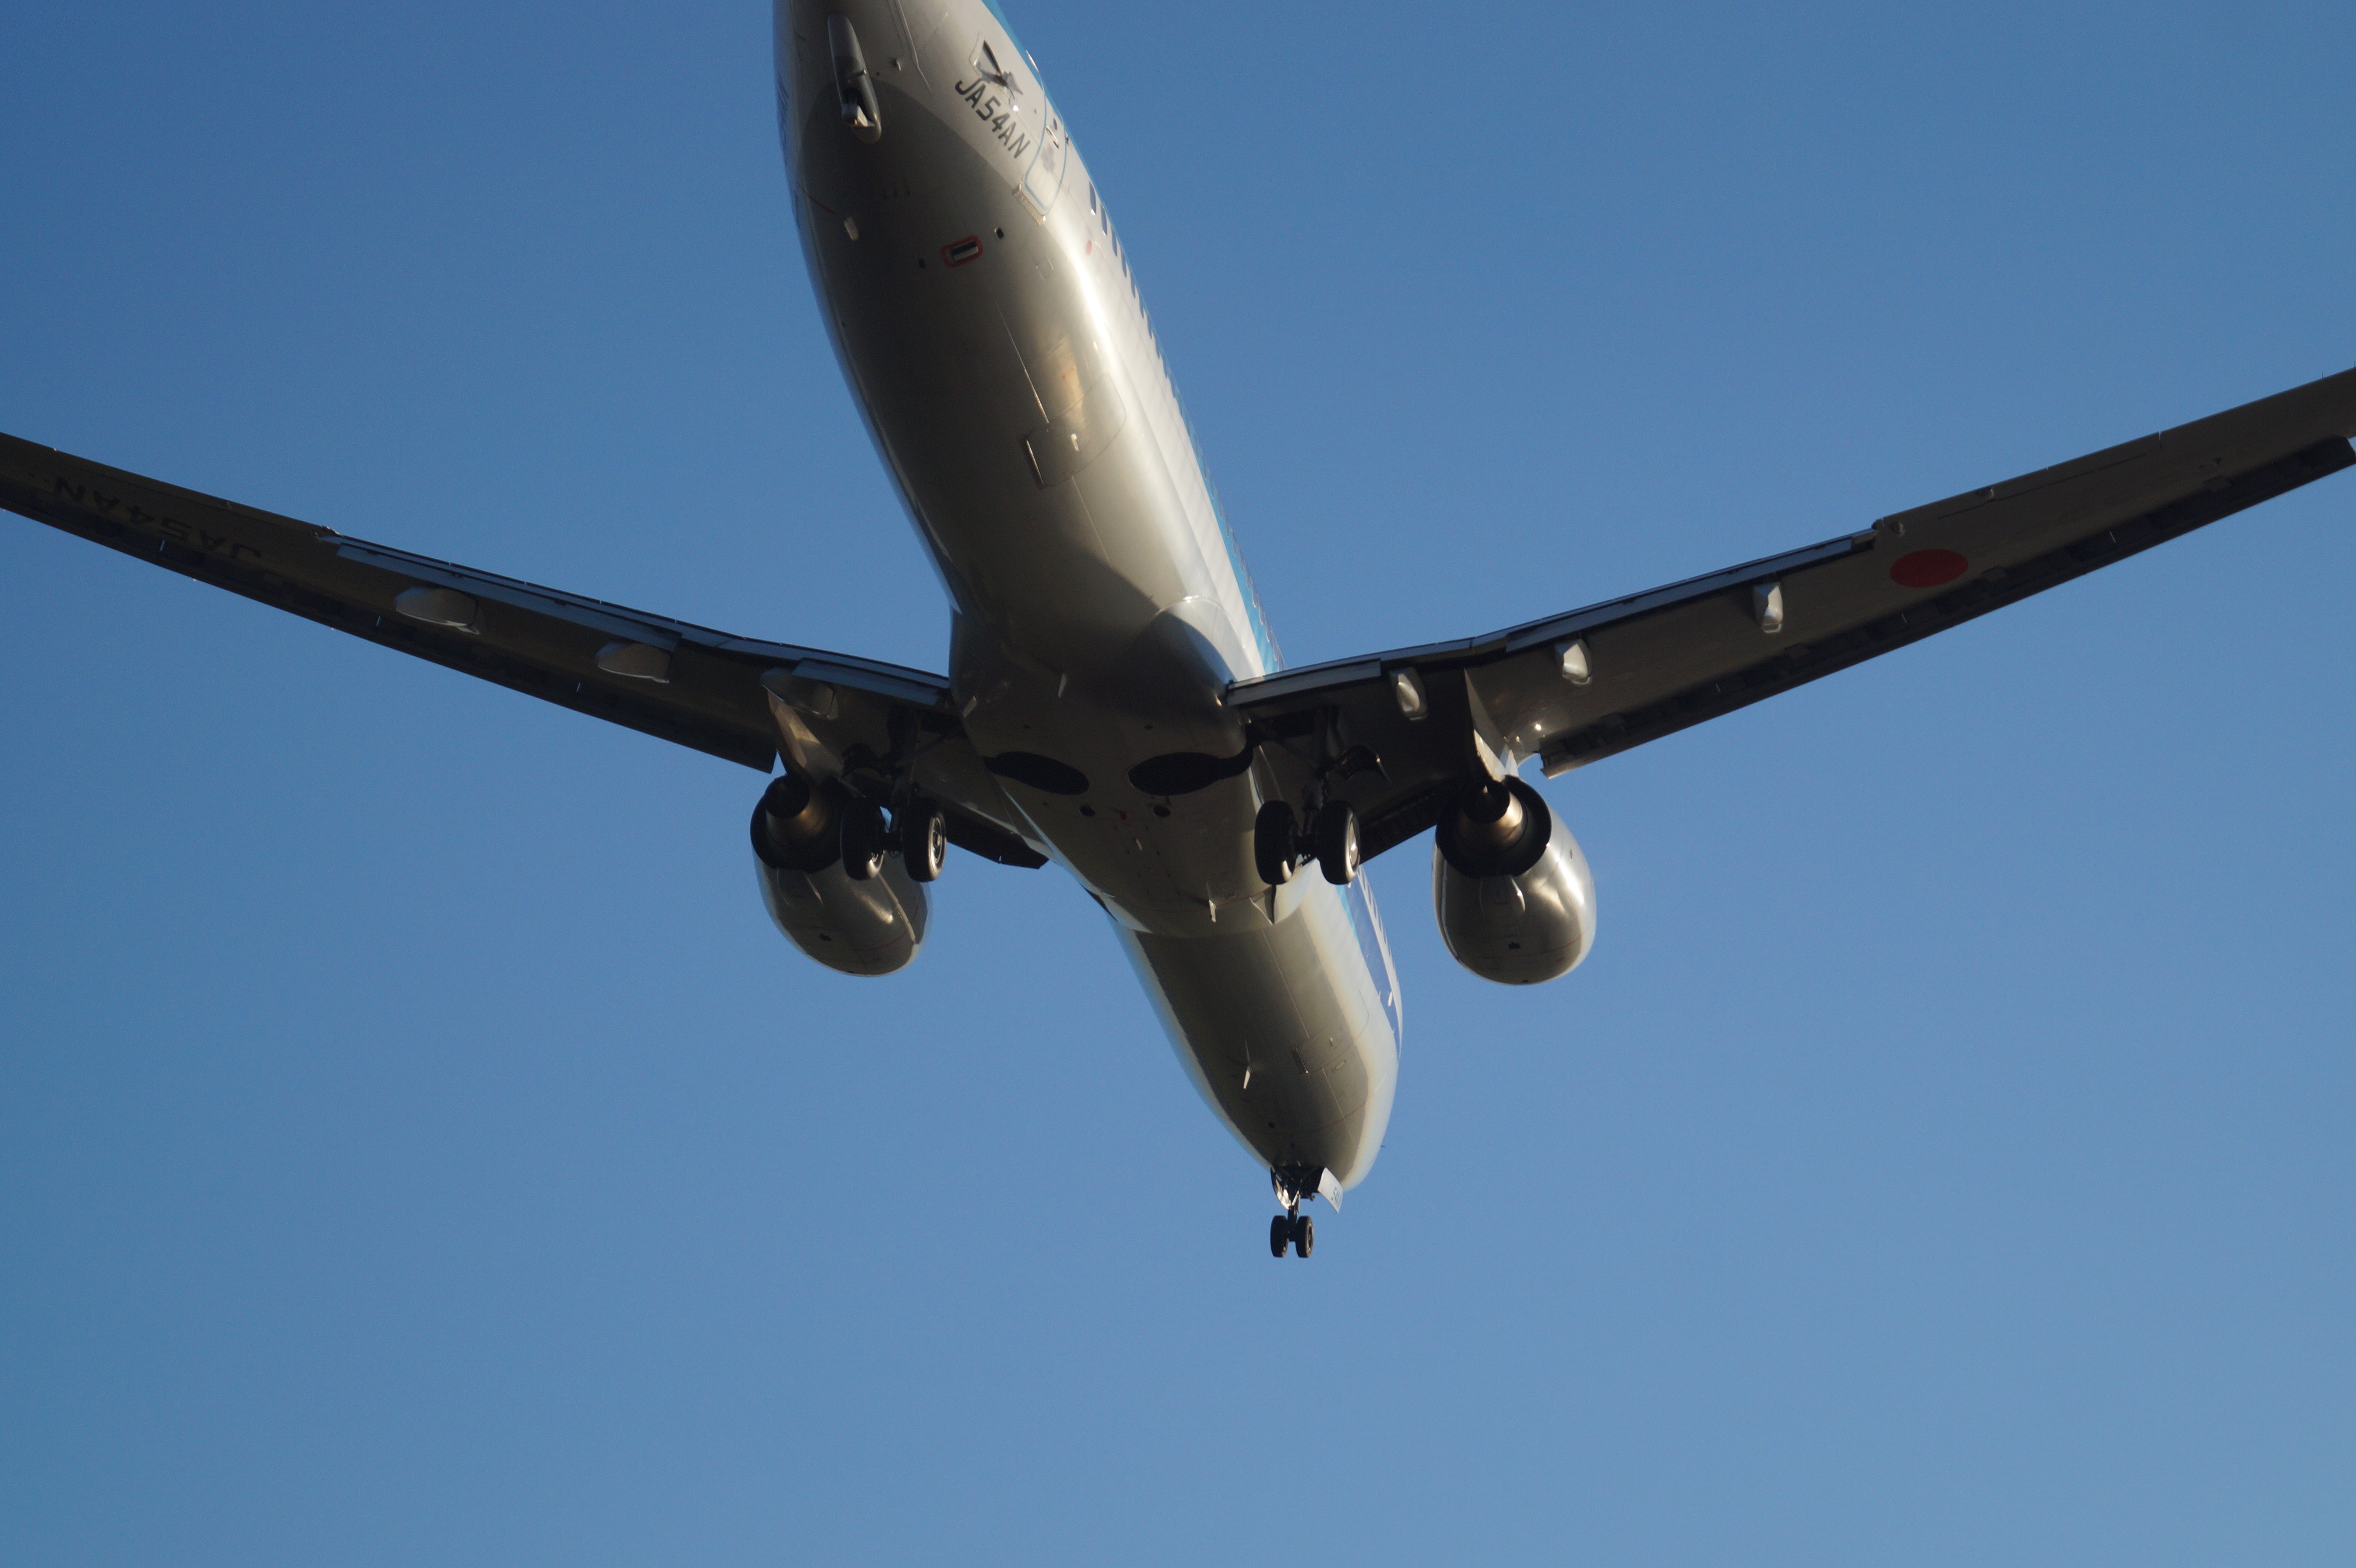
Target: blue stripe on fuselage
x,y
1271,660
1375,949
1271,657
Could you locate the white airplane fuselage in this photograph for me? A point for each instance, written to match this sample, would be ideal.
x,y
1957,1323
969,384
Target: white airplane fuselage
x,y
988,324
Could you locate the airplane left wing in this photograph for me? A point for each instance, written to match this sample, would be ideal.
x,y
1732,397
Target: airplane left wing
x,y
732,697
1399,734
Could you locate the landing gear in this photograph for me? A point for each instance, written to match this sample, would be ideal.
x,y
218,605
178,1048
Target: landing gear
x,y
1275,851
864,839
1279,846
1337,846
1298,1232
1292,1230
918,832
924,835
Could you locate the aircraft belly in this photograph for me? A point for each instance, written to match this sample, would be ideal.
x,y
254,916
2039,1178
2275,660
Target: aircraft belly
x,y
1091,629
1280,1030
1012,386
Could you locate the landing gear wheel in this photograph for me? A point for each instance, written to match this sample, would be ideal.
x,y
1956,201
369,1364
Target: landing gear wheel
x,y
1337,843
1280,1234
863,839
1304,1233
1274,851
924,835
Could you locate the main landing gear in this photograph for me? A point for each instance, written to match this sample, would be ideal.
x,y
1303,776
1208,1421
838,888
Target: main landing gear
x,y
918,831
1279,846
924,840
1292,1229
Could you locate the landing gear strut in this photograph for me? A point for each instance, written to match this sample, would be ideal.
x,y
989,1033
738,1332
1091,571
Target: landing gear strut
x,y
1293,1229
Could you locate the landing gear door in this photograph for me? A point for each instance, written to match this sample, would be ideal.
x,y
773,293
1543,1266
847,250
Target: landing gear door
x,y
1040,186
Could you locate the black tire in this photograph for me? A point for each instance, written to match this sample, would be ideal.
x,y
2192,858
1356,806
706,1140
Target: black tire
x,y
1337,843
864,839
1273,843
1280,1234
1304,1234
924,835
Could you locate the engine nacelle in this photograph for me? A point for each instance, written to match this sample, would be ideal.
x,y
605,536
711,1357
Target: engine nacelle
x,y
1514,897
860,928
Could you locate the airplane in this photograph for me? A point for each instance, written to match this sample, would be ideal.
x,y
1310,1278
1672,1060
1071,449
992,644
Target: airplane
x,y
1114,702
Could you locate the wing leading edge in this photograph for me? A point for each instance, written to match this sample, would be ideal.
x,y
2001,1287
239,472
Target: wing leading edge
x,y
735,697
1397,733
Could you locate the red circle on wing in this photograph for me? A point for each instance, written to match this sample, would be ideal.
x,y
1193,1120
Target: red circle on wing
x,y
1927,568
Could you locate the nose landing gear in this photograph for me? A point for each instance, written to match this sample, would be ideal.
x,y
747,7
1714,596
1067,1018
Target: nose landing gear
x,y
1292,1230
1297,1231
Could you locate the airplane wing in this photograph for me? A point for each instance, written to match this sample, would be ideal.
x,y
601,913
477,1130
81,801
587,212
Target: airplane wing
x,y
732,697
1397,734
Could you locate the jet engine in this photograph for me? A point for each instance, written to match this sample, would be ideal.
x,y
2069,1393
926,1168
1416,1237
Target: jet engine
x,y
1514,897
860,926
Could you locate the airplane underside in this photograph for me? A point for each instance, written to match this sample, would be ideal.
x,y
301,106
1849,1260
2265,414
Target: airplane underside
x,y
1114,702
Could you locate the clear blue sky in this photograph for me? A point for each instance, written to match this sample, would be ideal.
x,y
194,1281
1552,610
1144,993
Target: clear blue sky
x,y
417,1147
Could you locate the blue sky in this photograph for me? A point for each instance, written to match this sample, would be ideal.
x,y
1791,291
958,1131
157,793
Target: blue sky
x,y
418,1146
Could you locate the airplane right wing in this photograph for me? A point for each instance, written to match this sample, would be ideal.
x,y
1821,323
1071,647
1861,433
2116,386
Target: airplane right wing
x,y
1398,734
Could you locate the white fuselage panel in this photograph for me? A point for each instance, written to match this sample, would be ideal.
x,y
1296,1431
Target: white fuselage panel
x,y
992,330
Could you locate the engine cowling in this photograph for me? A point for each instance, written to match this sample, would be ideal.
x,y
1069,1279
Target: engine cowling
x,y
873,927
1514,896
